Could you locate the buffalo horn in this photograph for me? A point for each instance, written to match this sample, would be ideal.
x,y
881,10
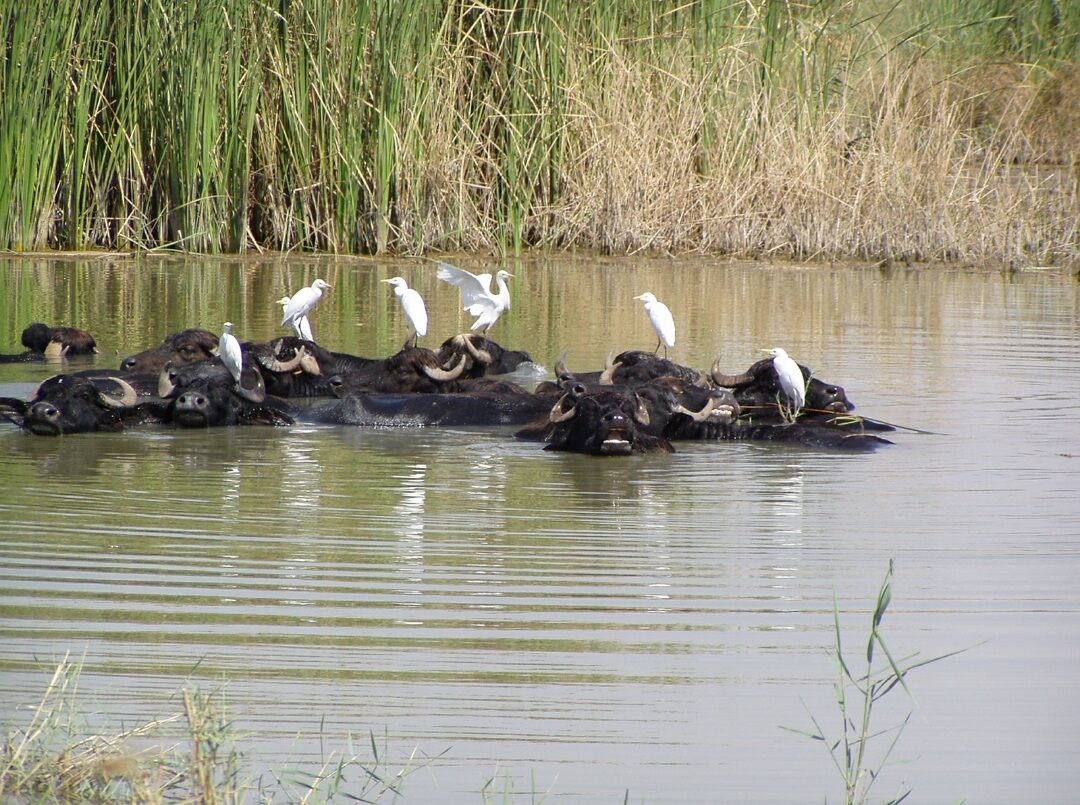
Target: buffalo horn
x,y
481,355
607,377
557,413
274,364
309,363
55,350
256,393
445,375
697,416
729,381
129,397
560,364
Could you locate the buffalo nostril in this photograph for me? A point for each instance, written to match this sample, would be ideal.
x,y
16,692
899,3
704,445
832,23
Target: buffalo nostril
x,y
44,410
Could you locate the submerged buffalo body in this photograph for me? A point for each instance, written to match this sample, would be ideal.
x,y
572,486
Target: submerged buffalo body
x,y
43,342
74,404
426,410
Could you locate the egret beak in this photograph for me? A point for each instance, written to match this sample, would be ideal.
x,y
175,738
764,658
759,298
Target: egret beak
x,y
639,297
384,280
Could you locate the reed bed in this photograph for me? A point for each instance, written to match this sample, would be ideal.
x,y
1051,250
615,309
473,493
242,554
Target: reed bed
x,y
867,130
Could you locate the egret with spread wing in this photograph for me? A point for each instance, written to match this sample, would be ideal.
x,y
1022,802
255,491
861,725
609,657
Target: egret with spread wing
x,y
476,294
413,304
662,321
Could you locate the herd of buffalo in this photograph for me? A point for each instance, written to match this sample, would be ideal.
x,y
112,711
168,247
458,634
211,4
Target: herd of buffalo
x,y
639,403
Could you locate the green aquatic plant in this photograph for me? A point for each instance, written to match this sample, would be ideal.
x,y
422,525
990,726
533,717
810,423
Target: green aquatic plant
x,y
857,694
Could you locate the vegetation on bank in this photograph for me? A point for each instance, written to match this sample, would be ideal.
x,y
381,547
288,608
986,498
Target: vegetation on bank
x,y
871,129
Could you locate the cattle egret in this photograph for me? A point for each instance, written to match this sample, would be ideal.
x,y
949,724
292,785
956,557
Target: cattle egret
x,y
302,302
661,320
229,352
301,324
413,305
791,379
476,294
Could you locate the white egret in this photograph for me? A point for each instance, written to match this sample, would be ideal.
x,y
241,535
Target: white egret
x,y
413,305
661,319
791,380
300,324
476,294
302,302
229,352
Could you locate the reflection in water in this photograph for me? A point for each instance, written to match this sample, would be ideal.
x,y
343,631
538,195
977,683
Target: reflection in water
x,y
594,624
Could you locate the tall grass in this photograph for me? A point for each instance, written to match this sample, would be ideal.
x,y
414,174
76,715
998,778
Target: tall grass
x,y
869,129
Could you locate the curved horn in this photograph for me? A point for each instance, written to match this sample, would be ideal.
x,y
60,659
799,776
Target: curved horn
x,y
256,393
129,397
481,355
560,363
702,381
697,416
309,363
642,413
165,385
55,351
445,375
729,381
607,377
274,364
557,414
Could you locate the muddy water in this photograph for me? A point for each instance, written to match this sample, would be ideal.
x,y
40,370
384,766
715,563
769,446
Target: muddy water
x,y
563,624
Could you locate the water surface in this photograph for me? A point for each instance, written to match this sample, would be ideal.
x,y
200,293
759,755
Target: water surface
x,y
578,626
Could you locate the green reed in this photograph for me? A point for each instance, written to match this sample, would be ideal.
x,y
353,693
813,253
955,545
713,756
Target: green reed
x,y
375,126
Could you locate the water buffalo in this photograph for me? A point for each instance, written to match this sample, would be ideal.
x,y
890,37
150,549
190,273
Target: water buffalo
x,y
676,408
602,423
759,387
186,346
672,420
75,404
293,367
482,355
205,395
43,342
412,369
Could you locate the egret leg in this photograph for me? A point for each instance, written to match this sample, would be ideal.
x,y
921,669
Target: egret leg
x,y
657,350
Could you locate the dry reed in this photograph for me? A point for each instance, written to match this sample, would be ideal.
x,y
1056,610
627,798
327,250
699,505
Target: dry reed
x,y
869,130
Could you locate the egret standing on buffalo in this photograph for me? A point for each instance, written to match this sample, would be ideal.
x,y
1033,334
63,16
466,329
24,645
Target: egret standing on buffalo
x,y
229,352
792,382
476,294
413,305
661,320
301,325
302,302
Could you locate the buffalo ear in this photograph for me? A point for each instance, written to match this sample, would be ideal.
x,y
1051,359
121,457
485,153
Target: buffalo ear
x,y
642,413
13,410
